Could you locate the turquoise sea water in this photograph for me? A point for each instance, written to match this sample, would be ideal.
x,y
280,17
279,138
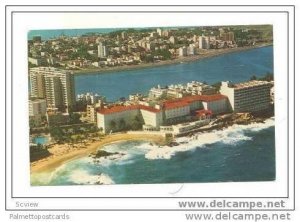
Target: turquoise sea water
x,y
50,34
244,153
239,153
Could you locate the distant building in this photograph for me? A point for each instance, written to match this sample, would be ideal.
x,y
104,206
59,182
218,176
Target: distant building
x,y
157,92
159,31
91,98
172,40
227,36
149,46
165,33
249,96
124,35
183,51
204,42
36,61
195,38
54,85
191,50
102,50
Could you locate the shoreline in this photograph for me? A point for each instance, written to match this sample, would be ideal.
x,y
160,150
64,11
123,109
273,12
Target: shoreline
x,y
62,153
49,164
207,54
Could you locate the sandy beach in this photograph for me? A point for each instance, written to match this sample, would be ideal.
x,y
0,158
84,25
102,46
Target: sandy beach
x,y
62,153
204,54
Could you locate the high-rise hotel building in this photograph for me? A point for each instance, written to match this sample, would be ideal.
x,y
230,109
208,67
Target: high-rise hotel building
x,y
55,85
251,96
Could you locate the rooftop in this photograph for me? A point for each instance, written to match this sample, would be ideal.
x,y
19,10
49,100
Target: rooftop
x,y
250,84
121,108
170,104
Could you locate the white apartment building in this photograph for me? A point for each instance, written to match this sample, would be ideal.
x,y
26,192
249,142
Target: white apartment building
x,y
157,92
191,50
182,51
204,42
37,107
249,96
102,50
91,113
54,85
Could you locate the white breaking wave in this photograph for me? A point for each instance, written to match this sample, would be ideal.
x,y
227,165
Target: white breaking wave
x,y
83,177
231,135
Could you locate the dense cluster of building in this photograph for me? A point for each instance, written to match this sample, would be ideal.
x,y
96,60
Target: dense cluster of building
x,y
125,48
179,113
175,108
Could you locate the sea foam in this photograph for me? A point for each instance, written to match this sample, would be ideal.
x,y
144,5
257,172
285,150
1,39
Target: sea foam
x,y
83,177
231,135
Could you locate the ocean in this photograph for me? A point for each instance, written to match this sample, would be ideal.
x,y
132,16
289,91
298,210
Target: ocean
x,y
55,33
239,153
235,67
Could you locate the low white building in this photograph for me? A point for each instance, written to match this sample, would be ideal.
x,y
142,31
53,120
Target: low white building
x,y
157,92
109,119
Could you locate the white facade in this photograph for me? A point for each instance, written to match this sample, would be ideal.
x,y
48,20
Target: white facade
x,y
154,119
37,107
177,112
55,85
91,113
157,92
217,106
183,51
107,121
191,50
159,31
102,50
250,96
204,42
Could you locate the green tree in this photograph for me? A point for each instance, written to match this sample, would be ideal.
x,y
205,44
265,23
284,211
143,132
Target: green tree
x,y
217,85
122,124
113,125
57,133
74,118
137,123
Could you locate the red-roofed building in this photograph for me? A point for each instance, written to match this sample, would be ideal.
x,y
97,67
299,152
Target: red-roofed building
x,y
171,112
217,103
115,117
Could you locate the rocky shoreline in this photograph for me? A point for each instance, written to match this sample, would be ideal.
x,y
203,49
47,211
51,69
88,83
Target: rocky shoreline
x,y
227,120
